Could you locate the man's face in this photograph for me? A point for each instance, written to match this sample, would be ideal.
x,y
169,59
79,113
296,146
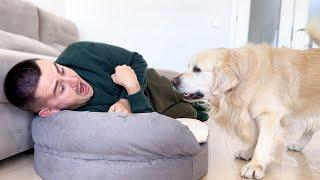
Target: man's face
x,y
61,88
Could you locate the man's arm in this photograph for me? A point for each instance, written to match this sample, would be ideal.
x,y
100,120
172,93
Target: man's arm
x,y
121,106
139,65
118,56
125,76
104,59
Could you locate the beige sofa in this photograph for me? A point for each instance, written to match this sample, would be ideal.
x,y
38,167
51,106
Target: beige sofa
x,y
26,31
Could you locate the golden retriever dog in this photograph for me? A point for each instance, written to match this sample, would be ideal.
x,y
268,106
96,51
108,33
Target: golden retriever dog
x,y
256,90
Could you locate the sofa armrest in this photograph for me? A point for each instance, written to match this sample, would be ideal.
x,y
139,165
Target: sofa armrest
x,y
56,30
116,135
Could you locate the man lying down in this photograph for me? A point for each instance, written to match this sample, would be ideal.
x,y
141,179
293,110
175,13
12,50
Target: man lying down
x,y
97,77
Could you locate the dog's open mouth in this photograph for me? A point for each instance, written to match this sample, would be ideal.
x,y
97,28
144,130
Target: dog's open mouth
x,y
193,96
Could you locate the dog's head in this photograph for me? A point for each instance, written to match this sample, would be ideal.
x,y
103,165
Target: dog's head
x,y
209,74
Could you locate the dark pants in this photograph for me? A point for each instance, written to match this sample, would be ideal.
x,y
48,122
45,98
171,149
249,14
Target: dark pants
x,y
165,100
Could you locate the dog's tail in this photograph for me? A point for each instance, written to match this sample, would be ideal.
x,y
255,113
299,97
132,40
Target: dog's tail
x,y
313,30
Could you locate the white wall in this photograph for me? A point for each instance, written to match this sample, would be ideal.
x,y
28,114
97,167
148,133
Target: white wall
x,y
166,32
239,23
54,6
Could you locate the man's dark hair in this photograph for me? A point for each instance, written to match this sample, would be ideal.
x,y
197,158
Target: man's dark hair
x,y
21,83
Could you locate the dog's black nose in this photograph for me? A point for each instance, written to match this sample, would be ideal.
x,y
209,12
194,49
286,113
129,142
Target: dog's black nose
x,y
176,81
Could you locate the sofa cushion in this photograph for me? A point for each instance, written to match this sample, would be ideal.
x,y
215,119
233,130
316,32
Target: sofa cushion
x,y
15,134
19,17
55,29
16,42
9,58
59,47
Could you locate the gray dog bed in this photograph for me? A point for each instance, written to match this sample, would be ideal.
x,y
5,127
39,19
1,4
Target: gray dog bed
x,y
96,146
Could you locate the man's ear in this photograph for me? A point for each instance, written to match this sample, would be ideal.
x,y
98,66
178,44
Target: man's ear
x,y
224,79
47,112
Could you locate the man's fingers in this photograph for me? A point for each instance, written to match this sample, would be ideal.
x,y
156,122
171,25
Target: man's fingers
x,y
112,108
120,67
127,112
120,110
113,77
122,106
117,108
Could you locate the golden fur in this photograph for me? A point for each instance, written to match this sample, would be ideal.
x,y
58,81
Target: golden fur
x,y
267,80
256,90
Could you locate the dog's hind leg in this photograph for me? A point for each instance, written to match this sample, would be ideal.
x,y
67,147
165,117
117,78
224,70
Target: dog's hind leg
x,y
310,125
302,141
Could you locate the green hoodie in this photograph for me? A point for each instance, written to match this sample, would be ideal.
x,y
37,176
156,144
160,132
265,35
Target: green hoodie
x,y
95,62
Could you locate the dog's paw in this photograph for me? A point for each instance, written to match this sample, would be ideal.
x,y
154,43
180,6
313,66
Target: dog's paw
x,y
243,155
252,171
201,106
295,147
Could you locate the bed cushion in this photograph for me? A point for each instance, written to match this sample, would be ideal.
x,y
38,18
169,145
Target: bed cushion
x,y
199,130
112,143
119,136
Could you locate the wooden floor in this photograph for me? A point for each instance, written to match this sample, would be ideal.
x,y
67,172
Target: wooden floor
x,y
290,166
19,167
222,165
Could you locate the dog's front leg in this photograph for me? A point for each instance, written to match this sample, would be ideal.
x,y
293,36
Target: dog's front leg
x,y
245,155
268,124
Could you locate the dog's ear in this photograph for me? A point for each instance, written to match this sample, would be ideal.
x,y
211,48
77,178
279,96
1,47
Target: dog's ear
x,y
224,79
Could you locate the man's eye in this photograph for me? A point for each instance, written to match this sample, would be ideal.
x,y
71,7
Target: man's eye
x,y
62,89
196,69
62,71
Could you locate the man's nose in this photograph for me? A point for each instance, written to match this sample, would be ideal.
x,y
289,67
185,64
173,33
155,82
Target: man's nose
x,y
176,81
72,81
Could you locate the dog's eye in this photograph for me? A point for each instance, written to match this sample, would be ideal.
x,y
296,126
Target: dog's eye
x,y
196,69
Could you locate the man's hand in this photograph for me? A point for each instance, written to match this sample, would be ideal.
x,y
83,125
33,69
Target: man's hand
x,y
121,106
125,76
